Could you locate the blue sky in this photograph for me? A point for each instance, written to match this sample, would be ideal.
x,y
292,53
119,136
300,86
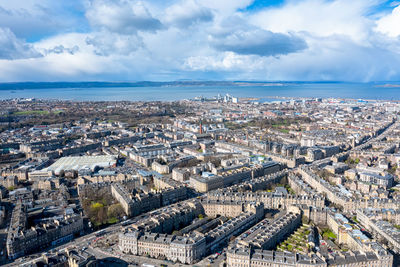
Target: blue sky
x,y
164,40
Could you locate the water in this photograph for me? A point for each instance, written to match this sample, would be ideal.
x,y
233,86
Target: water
x,y
325,90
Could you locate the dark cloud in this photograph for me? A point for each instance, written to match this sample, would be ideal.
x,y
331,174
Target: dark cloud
x,y
258,42
13,48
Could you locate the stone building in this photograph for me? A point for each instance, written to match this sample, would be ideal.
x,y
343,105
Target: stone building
x,y
267,233
171,247
21,240
246,257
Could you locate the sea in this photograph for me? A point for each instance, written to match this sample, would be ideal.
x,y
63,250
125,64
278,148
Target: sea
x,y
266,92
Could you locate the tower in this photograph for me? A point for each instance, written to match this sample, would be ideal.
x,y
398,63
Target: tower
x,y
201,127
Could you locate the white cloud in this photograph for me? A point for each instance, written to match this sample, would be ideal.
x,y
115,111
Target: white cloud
x,y
108,43
227,61
207,39
336,58
70,41
390,24
319,17
66,57
121,16
13,48
60,49
187,13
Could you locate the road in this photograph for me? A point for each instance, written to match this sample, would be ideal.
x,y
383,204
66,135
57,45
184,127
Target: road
x,y
361,146
77,244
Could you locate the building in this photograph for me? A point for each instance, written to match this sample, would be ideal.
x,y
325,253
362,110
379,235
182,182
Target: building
x,y
380,228
171,247
180,175
52,231
168,219
269,199
227,208
228,176
9,181
81,163
222,233
385,181
267,233
355,240
123,197
81,259
105,177
246,257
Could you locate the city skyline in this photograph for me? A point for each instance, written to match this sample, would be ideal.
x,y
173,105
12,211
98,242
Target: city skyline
x,y
203,133
126,40
221,181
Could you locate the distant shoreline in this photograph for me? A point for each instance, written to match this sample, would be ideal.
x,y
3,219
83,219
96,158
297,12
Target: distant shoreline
x,y
175,91
389,86
62,85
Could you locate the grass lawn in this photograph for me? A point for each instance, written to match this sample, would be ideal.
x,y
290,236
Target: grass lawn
x,y
297,242
31,112
284,131
97,205
112,220
329,234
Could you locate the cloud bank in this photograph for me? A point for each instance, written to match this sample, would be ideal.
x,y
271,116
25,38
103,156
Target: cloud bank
x,y
45,40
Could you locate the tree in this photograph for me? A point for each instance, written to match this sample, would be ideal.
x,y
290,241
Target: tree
x,y
115,210
102,216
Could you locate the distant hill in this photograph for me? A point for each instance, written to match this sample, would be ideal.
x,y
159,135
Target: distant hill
x,y
59,85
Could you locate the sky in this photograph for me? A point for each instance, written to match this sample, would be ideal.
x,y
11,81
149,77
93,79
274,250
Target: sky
x,y
167,40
